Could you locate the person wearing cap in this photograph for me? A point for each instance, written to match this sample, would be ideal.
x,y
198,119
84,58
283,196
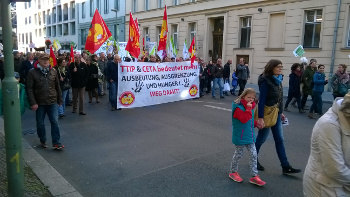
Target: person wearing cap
x,y
17,61
44,95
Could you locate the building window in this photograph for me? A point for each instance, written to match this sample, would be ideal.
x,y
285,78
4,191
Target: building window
x,y
312,28
25,5
65,12
39,4
65,29
276,30
72,7
35,19
25,21
72,28
59,13
116,4
23,38
246,26
44,31
160,3
98,5
146,5
175,34
106,6
83,36
48,32
192,31
30,38
146,34
159,29
53,31
91,8
54,15
44,17
176,2
48,17
59,30
29,4
134,6
83,10
39,18
192,1
36,33
39,33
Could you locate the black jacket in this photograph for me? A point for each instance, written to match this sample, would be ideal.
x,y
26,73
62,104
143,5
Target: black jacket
x,y
274,92
218,71
294,84
226,74
65,75
23,72
81,76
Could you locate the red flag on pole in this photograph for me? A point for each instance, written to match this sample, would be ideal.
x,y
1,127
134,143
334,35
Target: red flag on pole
x,y
133,45
98,33
71,57
53,61
163,33
192,51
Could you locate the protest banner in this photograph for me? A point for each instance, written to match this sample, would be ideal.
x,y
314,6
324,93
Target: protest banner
x,y
299,51
144,84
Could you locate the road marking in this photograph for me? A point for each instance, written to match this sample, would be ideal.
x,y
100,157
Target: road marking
x,y
225,109
208,102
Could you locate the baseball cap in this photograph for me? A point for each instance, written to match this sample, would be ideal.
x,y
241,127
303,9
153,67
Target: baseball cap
x,y
44,56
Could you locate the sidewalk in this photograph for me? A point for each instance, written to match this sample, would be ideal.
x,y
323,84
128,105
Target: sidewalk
x,y
327,97
40,178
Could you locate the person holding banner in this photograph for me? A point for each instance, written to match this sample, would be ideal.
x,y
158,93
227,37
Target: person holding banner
x,y
112,79
218,74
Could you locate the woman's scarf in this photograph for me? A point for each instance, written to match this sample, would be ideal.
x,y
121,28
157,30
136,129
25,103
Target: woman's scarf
x,y
341,77
278,80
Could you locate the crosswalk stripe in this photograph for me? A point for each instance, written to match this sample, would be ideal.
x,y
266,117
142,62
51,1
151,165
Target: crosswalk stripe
x,y
225,109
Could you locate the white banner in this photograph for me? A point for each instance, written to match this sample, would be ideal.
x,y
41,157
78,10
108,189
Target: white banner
x,y
143,83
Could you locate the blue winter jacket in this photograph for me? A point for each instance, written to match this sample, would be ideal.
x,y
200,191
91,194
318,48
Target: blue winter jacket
x,y
242,133
319,80
234,79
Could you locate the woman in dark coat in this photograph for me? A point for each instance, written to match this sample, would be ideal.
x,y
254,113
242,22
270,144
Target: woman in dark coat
x,y
92,83
294,87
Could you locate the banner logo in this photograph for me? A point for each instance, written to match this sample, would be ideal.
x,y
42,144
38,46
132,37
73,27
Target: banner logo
x,y
127,98
193,90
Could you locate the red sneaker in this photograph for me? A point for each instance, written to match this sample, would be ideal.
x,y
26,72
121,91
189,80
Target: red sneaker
x,y
235,176
58,147
257,181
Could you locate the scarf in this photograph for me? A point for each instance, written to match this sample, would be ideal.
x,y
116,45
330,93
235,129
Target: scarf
x,y
341,77
278,80
297,73
43,70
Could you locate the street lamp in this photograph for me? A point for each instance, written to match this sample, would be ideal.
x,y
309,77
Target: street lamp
x,y
116,19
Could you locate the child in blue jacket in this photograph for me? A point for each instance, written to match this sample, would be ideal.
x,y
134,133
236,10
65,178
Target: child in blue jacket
x,y
243,135
234,82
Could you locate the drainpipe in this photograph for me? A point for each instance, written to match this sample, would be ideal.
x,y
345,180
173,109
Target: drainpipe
x,y
334,43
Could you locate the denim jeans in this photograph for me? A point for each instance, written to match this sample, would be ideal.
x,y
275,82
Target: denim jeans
x,y
218,81
277,133
241,83
113,90
51,111
61,109
67,99
316,103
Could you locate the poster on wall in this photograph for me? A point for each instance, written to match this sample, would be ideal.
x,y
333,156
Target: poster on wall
x,y
144,84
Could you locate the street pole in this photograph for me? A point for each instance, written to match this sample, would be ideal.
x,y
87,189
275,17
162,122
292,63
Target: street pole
x,y
12,117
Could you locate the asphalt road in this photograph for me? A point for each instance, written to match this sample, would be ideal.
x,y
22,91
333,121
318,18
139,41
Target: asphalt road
x,y
175,149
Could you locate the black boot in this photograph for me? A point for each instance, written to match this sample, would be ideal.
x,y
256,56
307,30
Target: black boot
x,y
289,170
260,167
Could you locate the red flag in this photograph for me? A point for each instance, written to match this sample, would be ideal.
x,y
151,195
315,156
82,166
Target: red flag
x,y
71,57
53,61
133,45
98,33
192,51
137,26
163,33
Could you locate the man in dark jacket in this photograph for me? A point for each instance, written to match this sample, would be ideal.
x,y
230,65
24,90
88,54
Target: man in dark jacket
x,y
218,74
243,74
226,74
112,79
102,64
17,60
44,95
80,75
26,66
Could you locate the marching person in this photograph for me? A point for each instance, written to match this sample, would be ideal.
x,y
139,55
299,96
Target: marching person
x,y
226,74
339,81
217,75
307,76
271,93
80,75
319,79
44,95
64,78
112,79
294,87
92,84
243,74
26,66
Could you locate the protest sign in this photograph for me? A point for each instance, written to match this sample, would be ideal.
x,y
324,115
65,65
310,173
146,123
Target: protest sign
x,y
144,84
299,51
